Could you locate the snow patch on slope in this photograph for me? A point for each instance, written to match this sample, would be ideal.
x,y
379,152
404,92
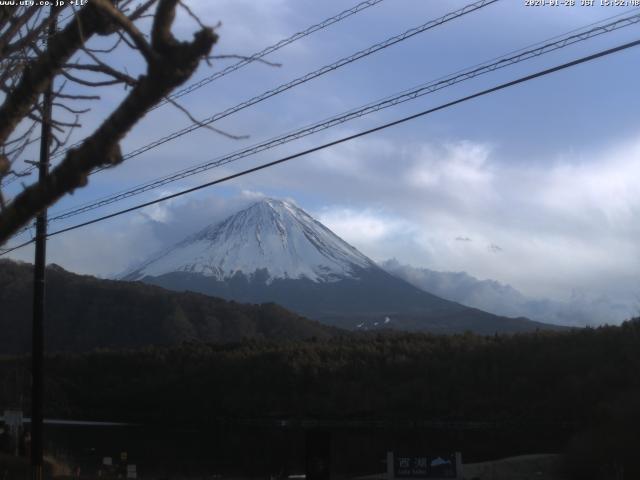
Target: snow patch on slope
x,y
271,235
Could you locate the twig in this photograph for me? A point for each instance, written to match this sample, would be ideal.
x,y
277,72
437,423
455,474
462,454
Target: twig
x,y
198,122
242,57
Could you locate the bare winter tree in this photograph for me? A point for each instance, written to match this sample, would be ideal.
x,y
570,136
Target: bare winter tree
x,y
31,57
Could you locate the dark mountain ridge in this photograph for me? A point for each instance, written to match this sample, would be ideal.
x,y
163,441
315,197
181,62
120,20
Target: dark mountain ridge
x,y
375,300
85,313
273,251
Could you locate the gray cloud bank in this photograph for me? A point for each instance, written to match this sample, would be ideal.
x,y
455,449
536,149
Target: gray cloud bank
x,y
495,297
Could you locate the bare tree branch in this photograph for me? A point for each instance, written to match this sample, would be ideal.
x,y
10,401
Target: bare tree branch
x,y
69,109
78,97
129,27
41,70
104,69
191,14
15,28
170,64
243,57
204,125
89,83
141,10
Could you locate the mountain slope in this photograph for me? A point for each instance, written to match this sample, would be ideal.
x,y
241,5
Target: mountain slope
x,y
273,235
84,313
274,251
502,299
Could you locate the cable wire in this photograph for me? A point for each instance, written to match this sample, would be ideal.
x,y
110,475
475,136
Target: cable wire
x,y
472,7
482,93
390,101
306,32
236,66
282,43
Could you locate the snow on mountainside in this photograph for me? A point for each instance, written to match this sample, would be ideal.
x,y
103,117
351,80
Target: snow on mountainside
x,y
502,299
274,252
270,234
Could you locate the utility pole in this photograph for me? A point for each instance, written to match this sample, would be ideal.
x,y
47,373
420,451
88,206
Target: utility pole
x,y
37,345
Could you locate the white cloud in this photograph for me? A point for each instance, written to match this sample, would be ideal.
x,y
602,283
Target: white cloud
x,y
462,163
572,224
159,212
605,186
364,226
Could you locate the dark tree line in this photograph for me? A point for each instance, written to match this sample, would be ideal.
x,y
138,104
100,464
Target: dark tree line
x,y
584,382
556,377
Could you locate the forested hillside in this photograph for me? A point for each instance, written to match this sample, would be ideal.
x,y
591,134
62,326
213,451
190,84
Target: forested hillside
x,y
550,377
584,383
85,313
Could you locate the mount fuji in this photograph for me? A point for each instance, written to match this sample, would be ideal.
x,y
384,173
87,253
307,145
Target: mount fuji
x,y
272,236
273,251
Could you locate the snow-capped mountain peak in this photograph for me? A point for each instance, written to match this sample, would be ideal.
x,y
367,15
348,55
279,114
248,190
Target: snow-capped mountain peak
x,y
272,235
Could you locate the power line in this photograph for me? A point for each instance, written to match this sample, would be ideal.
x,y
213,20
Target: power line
x,y
488,91
472,7
282,43
258,55
407,95
236,66
4,251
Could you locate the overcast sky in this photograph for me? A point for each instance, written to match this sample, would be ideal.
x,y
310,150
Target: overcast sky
x,y
534,186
